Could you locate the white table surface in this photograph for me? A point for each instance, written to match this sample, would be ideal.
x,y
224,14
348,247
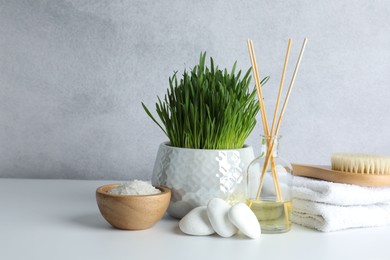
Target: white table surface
x,y
59,219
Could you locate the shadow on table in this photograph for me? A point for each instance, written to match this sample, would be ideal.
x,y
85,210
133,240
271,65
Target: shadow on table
x,y
91,220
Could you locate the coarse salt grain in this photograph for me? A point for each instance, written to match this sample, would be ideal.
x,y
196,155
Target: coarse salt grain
x,y
135,187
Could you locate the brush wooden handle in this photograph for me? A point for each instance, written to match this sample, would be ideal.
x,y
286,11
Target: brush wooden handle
x,y
327,174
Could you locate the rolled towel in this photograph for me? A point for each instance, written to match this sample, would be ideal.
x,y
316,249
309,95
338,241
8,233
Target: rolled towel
x,y
327,217
338,193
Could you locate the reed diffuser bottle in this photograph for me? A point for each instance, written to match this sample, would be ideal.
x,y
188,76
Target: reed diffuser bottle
x,y
269,187
269,177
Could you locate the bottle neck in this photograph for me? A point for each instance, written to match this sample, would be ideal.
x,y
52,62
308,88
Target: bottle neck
x,y
270,141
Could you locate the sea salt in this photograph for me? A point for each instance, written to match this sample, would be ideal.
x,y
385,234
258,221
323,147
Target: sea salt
x,y
135,187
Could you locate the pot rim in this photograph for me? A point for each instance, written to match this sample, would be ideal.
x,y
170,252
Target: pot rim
x,y
166,144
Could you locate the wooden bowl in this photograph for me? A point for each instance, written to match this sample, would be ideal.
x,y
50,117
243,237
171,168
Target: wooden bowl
x,y
132,212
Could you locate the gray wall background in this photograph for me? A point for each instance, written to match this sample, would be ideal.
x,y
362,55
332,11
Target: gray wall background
x,y
73,74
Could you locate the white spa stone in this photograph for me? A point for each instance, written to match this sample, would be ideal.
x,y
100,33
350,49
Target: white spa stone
x,y
196,222
217,211
245,220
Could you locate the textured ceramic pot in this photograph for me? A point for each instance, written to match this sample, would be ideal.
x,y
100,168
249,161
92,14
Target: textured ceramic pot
x,y
197,175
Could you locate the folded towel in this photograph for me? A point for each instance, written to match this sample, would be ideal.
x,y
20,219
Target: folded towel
x,y
337,193
327,217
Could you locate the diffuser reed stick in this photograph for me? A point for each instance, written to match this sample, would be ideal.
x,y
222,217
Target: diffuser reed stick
x,y
271,146
275,178
281,85
263,112
273,166
258,85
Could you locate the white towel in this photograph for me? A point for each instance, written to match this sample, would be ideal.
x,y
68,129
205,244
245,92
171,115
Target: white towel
x,y
327,217
328,206
337,193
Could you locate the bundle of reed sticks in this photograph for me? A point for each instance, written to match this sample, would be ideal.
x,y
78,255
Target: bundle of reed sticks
x,y
276,122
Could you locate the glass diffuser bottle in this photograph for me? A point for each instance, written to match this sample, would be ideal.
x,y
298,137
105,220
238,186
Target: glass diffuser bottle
x,y
269,196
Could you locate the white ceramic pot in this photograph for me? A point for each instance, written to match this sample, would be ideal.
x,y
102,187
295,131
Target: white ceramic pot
x,y
198,175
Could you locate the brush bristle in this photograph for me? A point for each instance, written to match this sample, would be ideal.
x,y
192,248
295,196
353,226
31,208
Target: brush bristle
x,y
361,163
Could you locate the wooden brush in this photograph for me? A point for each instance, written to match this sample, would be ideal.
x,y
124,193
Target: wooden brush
x,y
361,163
358,169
